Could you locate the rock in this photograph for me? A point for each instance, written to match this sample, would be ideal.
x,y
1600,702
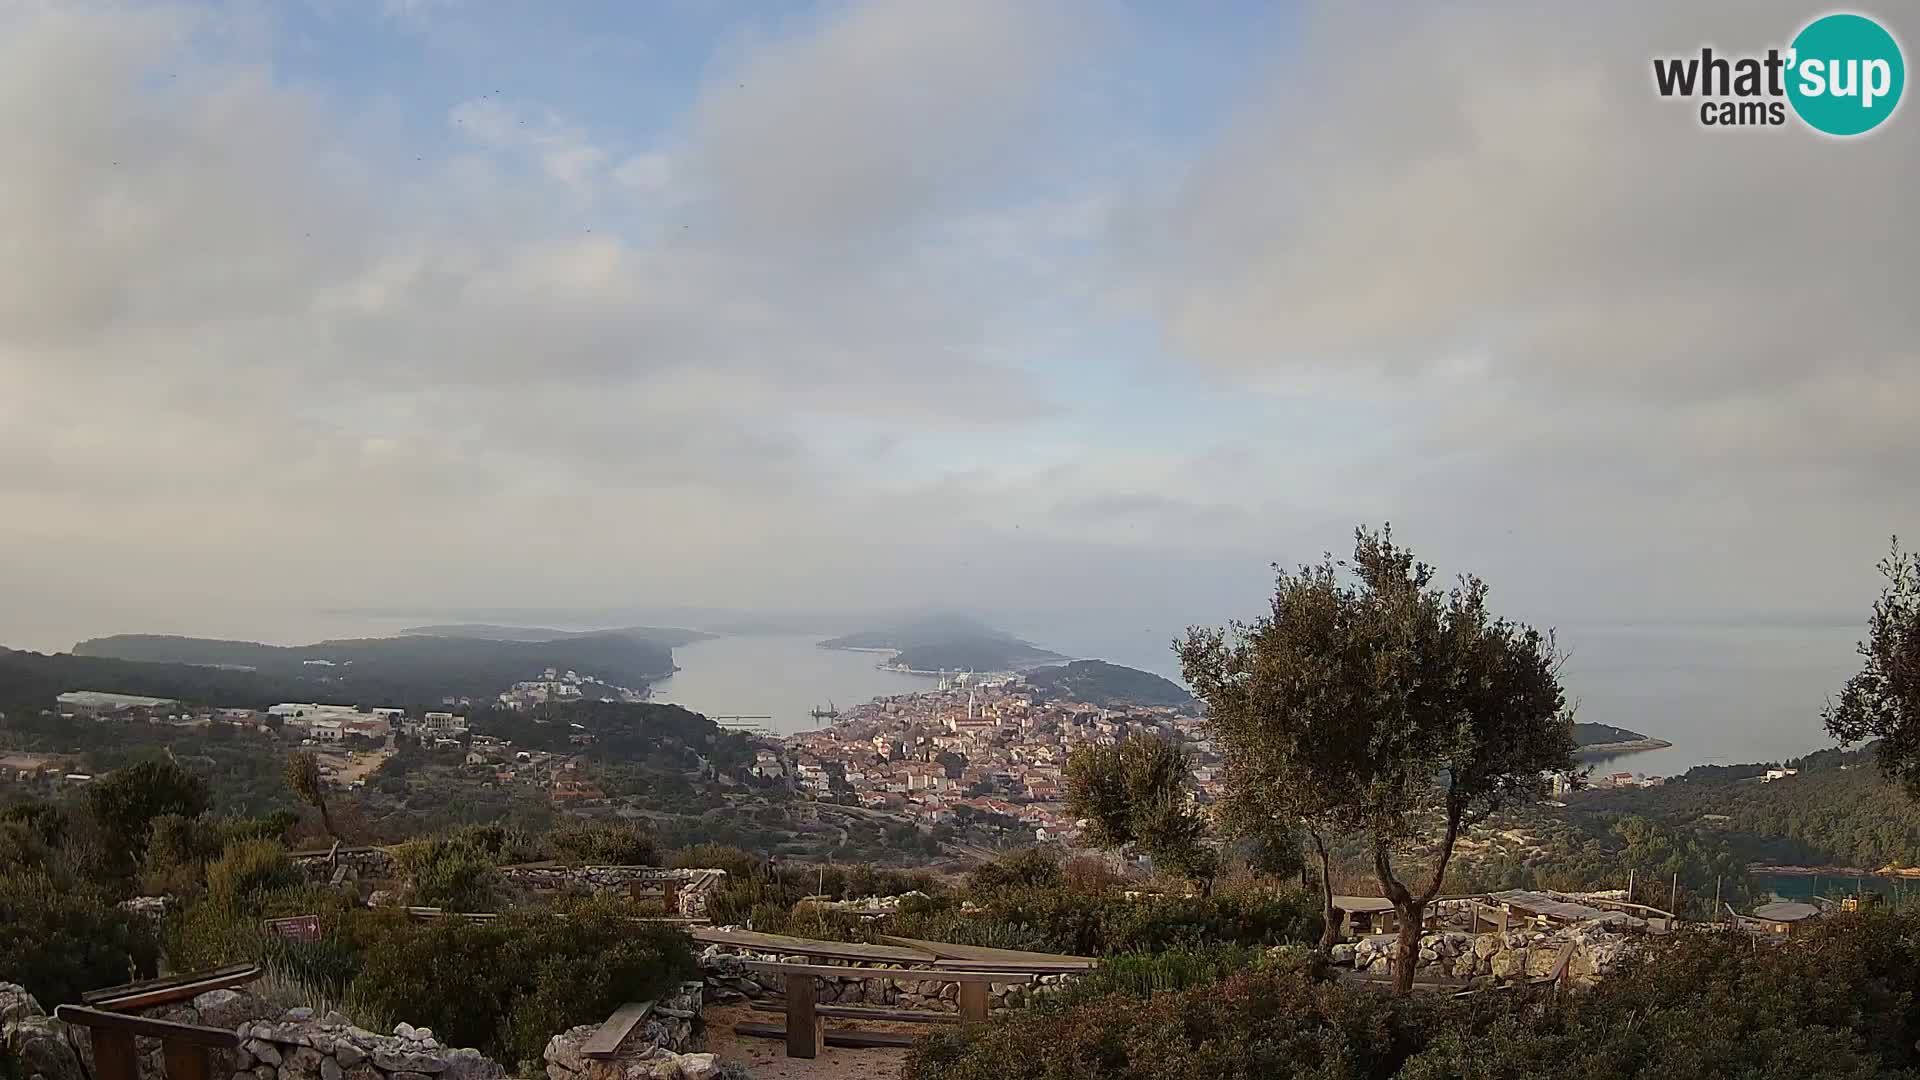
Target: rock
x,y
298,1016
364,1072
348,1054
38,1043
334,1019
300,1061
424,1034
468,1064
331,1070
398,1061
699,1066
268,1053
265,1072
16,1004
1509,964
403,1030
1485,945
406,1075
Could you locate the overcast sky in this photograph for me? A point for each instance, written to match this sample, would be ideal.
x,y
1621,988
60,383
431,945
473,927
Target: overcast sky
x,y
1083,308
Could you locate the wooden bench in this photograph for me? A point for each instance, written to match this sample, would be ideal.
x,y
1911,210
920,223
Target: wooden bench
x,y
604,1044
804,1031
184,1046
170,989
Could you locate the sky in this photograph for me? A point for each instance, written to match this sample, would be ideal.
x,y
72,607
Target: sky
x,y
1066,313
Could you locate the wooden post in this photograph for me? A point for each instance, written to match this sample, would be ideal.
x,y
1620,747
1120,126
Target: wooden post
x,y
636,891
973,1002
1629,884
670,895
113,1057
185,1060
805,1034
1716,898
1673,902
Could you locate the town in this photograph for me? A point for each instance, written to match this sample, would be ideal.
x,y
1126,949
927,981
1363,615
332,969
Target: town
x,y
986,747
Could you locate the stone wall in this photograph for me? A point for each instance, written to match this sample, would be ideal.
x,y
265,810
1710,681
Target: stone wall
x,y
36,1042
1488,958
728,980
377,864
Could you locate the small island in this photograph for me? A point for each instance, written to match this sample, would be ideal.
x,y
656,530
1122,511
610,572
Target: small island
x,y
1591,740
931,644
1107,685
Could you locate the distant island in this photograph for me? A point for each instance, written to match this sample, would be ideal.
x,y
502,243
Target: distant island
x,y
408,669
946,642
1100,683
1593,739
671,636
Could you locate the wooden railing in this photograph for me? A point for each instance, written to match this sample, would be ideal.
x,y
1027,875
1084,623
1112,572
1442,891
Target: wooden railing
x,y
183,1046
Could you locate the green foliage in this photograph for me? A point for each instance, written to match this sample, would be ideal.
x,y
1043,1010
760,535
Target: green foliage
x,y
60,940
1027,868
1882,701
1135,794
127,800
454,873
1143,974
505,986
739,863
247,872
1836,1005
604,844
1103,923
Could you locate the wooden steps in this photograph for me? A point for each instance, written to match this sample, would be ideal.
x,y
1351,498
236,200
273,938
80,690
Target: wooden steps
x,y
856,1040
866,1012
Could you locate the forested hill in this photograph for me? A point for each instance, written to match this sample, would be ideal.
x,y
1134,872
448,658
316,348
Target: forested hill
x,y
29,681
1100,683
670,636
405,670
1603,735
948,642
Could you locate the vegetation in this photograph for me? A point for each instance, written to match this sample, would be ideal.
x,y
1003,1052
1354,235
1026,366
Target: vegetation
x,y
1836,1005
1603,735
1371,700
1100,683
1882,701
59,938
949,642
303,778
1136,795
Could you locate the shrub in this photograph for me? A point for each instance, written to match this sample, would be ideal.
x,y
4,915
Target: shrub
x,y
739,863
246,872
507,985
1100,923
624,844
1026,868
454,874
60,940
126,801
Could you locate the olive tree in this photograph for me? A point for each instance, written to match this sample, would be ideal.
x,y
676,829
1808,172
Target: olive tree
x,y
1135,795
1882,701
1371,702
307,785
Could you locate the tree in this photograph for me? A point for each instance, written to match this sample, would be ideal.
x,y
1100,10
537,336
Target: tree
x,y
1135,794
1371,701
1882,701
303,777
126,800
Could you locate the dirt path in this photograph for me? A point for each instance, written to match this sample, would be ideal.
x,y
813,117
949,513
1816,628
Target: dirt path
x,y
767,1058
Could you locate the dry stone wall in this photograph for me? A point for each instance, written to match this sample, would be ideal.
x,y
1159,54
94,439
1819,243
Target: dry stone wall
x,y
729,980
353,865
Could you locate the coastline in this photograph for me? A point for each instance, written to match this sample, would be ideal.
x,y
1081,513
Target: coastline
x,y
1629,747
1833,871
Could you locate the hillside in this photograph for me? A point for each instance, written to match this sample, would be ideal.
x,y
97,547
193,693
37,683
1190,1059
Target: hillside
x,y
1585,735
948,642
1100,683
30,681
415,669
669,636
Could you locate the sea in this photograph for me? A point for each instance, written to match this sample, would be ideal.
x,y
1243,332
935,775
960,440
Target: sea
x,y
1720,694
778,679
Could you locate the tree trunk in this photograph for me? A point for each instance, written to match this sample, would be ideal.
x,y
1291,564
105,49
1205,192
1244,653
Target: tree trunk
x,y
1406,954
1330,927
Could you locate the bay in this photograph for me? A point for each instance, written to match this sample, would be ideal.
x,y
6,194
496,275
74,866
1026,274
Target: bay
x,y
781,676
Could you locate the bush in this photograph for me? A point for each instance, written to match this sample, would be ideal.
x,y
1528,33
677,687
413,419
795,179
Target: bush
x,y
1837,1004
1101,923
246,873
507,985
126,801
1026,868
60,941
624,844
739,863
455,874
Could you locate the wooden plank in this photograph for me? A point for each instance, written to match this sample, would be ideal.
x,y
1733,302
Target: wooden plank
x,y
113,1054
828,971
170,981
101,1021
951,955
185,1060
973,1002
605,1043
804,1029
842,1037
127,1001
799,946
866,1012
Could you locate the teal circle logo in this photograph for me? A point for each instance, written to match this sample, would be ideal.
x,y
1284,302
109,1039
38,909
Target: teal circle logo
x,y
1845,74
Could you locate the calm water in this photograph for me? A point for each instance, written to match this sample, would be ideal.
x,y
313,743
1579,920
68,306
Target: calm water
x,y
1901,892
784,677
